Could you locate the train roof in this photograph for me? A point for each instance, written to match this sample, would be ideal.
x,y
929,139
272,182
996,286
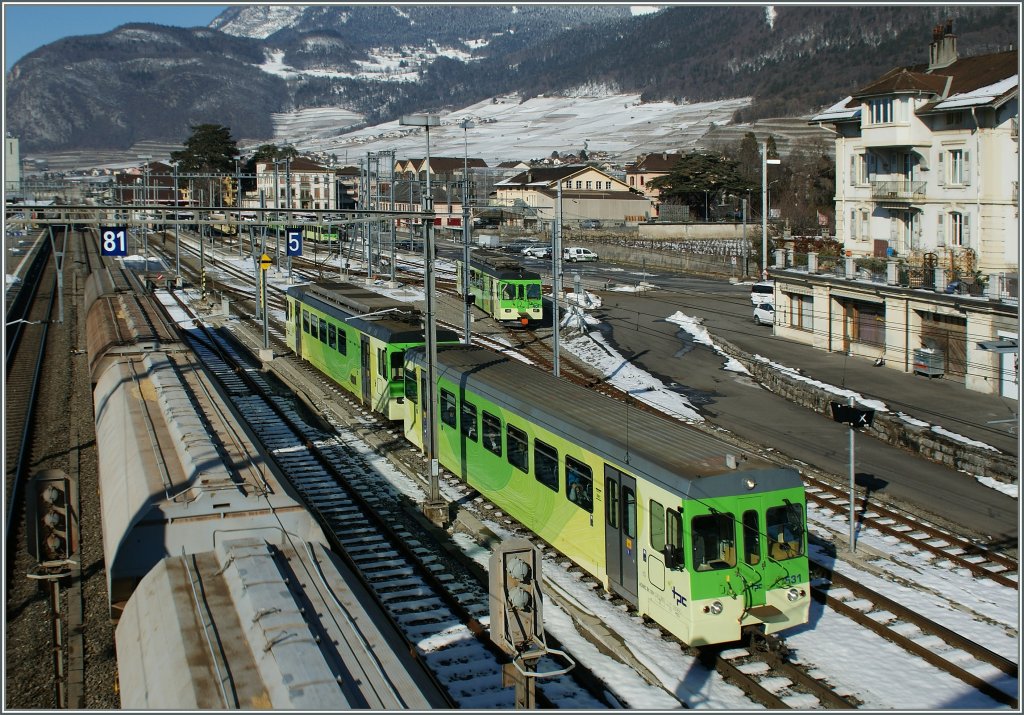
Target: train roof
x,y
680,457
394,321
500,266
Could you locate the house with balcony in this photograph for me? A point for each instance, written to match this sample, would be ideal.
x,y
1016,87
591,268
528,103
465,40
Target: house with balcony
x,y
310,185
586,193
927,212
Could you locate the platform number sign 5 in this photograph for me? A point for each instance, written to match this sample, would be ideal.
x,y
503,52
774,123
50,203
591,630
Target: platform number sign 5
x,y
294,241
113,241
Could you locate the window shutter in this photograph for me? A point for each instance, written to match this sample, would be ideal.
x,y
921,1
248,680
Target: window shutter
x,y
940,173
853,224
967,231
967,168
917,232
942,231
853,169
892,230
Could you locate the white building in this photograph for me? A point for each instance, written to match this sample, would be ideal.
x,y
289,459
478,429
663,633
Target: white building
x,y
927,212
312,186
12,165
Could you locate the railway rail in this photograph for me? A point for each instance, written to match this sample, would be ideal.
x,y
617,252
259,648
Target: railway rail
x,y
439,612
770,663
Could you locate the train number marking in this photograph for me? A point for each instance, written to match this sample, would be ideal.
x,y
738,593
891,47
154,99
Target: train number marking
x,y
680,598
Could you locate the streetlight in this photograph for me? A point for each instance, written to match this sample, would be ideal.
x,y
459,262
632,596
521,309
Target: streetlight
x,y
434,506
177,219
764,206
465,124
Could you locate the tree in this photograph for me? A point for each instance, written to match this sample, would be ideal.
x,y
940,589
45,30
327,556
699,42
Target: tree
x,y
209,150
697,177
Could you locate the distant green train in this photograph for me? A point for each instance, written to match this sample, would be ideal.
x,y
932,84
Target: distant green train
x,y
502,288
704,539
358,338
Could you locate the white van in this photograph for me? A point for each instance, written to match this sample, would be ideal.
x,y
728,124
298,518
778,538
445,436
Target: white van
x,y
575,253
762,292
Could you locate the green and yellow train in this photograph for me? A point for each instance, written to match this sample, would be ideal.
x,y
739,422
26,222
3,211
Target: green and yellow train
x,y
358,338
502,288
704,539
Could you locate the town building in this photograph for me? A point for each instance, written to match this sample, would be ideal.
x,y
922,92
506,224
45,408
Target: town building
x,y
927,213
647,168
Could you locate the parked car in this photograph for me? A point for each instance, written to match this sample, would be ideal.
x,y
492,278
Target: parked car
x,y
537,251
590,223
762,292
764,314
575,253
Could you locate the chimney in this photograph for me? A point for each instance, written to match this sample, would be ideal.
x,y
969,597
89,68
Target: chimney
x,y
942,51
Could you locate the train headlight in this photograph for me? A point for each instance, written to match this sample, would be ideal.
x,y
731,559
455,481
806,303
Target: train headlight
x,y
794,594
749,483
714,609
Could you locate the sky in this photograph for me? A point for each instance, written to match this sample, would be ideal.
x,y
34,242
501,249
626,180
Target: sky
x,y
28,26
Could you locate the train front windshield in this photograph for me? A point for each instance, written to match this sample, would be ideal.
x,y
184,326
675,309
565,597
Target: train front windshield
x,y
520,291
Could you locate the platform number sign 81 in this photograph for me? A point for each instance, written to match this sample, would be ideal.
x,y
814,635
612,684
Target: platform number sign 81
x,y
113,241
294,236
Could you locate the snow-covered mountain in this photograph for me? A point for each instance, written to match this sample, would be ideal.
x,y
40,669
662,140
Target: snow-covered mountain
x,y
370,64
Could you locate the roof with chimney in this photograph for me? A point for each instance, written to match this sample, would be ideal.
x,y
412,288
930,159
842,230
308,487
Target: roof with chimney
x,y
663,162
544,175
951,82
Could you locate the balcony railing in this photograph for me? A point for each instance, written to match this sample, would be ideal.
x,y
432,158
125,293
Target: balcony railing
x,y
905,190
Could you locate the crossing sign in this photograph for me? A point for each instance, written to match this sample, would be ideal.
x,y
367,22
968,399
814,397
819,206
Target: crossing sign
x,y
264,262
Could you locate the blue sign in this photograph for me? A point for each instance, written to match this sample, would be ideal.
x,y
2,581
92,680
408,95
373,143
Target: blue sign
x,y
113,241
294,241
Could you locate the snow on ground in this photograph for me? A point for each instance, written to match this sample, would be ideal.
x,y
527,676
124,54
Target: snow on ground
x,y
853,660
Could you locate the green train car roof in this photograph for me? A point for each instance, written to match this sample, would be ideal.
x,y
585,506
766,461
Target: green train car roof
x,y
501,266
680,457
346,302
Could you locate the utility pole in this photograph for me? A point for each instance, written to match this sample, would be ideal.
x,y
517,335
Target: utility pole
x,y
556,279
465,124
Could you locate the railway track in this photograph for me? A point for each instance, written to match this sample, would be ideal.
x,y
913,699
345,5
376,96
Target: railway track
x,y
943,648
764,672
439,611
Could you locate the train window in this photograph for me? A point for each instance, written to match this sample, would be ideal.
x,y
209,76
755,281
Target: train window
x,y
518,449
323,330
410,387
305,322
714,542
611,500
579,484
628,512
448,408
507,291
751,538
492,432
469,420
397,367
657,516
674,537
784,526
332,336
342,342
533,291
382,363
545,464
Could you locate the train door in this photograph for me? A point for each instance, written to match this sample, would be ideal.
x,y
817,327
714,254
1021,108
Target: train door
x,y
620,532
364,367
751,559
297,316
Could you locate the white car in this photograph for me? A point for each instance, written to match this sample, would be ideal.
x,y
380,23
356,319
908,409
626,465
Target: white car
x,y
575,253
762,292
537,251
764,314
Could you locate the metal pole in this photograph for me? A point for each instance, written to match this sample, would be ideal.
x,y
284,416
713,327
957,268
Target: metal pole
x,y
277,214
465,124
764,209
266,311
746,245
177,220
852,541
428,262
238,205
556,280
288,196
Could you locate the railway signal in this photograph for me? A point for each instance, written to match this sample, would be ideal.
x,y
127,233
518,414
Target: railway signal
x,y
855,417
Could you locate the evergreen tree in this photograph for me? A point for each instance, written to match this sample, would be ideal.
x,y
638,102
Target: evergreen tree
x,y
209,150
698,177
